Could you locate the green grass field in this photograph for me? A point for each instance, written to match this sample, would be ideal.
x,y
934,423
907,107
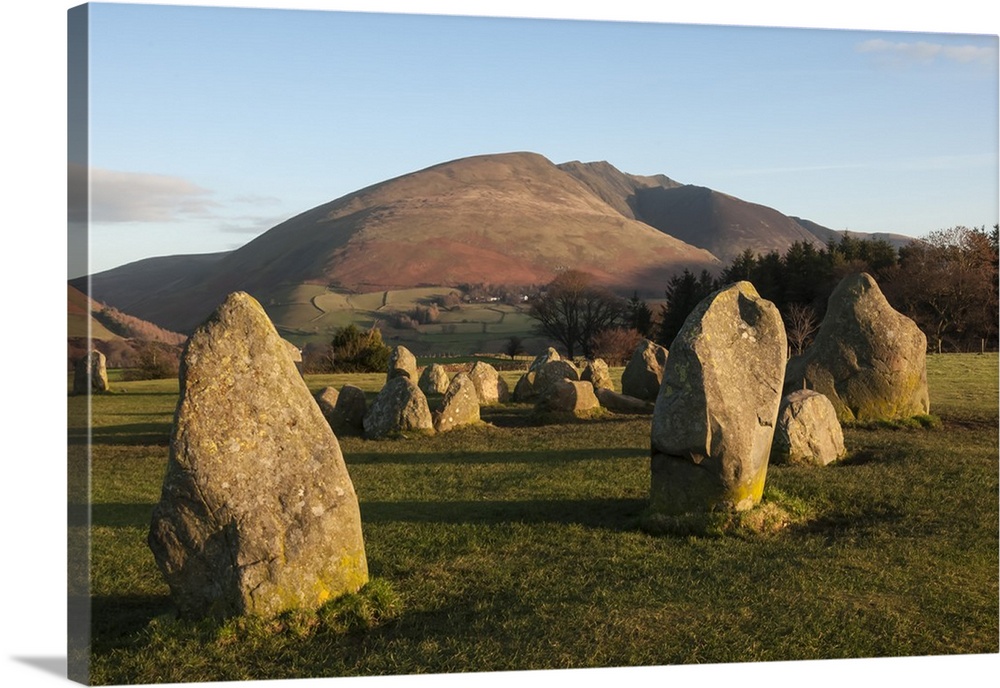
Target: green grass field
x,y
517,546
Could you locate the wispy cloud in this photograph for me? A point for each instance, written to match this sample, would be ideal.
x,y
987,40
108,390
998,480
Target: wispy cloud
x,y
249,224
904,53
137,197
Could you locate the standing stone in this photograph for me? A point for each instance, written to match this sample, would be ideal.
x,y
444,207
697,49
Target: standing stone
x,y
91,374
596,372
621,403
326,399
541,359
524,390
868,359
553,372
570,397
257,513
434,379
399,407
808,431
402,363
295,353
351,407
714,417
460,405
490,387
644,371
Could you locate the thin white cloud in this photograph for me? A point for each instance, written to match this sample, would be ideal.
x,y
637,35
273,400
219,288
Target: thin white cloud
x,y
140,197
249,224
936,163
256,199
923,52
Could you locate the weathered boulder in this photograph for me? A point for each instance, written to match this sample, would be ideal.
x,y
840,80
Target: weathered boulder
x,y
460,405
714,417
553,372
402,363
596,372
571,397
490,387
644,371
351,407
808,431
257,512
622,403
400,406
868,359
91,374
326,399
434,379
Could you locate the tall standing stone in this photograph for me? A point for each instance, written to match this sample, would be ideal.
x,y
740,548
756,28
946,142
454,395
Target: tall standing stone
x,y
402,363
644,371
257,512
91,374
713,421
869,360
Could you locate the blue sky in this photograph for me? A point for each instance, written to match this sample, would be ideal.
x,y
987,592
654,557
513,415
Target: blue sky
x,y
210,125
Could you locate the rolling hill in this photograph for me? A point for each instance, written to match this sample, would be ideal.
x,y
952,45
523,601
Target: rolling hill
x,y
506,219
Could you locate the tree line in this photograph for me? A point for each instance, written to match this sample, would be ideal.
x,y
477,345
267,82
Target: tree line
x,y
946,282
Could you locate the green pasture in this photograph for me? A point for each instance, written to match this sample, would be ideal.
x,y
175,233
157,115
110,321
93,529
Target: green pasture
x,y
515,545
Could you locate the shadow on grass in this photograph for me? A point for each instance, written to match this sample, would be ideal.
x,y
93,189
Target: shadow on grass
x,y
617,514
500,457
138,434
121,515
117,618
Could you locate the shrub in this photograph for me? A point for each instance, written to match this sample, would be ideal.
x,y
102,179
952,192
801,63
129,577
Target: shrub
x,y
359,351
616,345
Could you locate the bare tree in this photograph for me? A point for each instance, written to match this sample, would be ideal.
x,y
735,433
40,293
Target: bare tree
x,y
572,310
801,324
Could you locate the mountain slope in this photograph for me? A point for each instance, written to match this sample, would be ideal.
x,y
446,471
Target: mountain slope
x,y
825,234
512,218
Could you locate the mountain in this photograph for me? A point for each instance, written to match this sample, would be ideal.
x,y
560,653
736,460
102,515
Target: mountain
x,y
825,234
513,218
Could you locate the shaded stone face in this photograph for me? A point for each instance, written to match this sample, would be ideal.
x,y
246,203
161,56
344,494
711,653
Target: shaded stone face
x,y
400,406
402,363
524,390
351,407
91,374
460,405
596,372
713,421
490,387
808,431
257,512
553,372
869,360
572,397
621,403
434,379
644,371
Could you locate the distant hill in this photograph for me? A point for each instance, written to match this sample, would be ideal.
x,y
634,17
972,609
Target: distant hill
x,y
512,219
825,234
80,319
